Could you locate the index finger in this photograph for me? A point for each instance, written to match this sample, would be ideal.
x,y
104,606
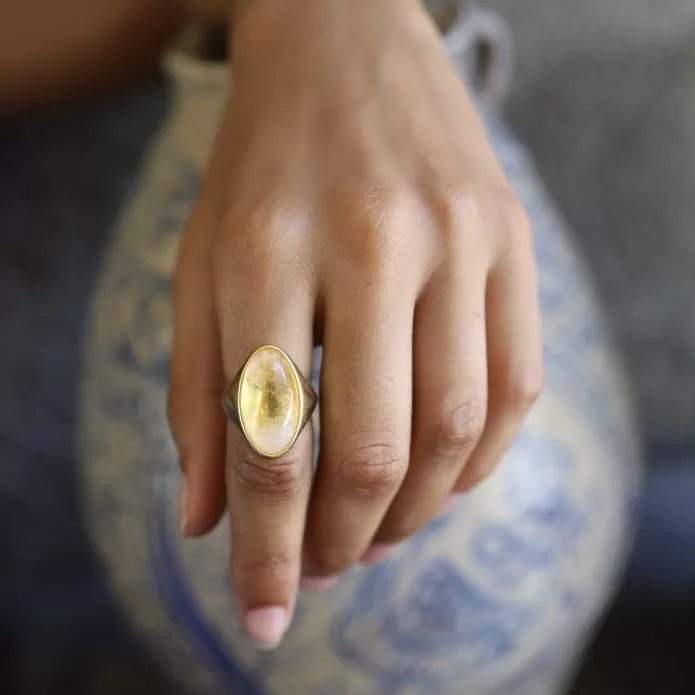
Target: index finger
x,y
267,496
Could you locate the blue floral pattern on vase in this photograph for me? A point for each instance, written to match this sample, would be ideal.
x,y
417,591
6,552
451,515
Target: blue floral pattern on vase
x,y
440,632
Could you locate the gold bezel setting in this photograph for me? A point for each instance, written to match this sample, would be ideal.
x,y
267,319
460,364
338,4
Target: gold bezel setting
x,y
305,394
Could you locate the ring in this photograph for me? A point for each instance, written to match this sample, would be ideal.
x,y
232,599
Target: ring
x,y
270,401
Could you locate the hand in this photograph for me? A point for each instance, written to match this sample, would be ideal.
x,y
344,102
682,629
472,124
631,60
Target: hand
x,y
352,198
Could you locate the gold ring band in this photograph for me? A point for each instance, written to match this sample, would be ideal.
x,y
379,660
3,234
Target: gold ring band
x,y
270,401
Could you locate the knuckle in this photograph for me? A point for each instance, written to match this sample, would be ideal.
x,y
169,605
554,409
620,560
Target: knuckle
x,y
373,470
460,427
273,479
378,220
513,214
464,212
458,213
259,248
394,210
461,209
273,568
525,384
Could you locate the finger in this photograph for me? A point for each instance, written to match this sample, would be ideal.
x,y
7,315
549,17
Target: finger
x,y
515,353
450,393
195,384
365,423
261,302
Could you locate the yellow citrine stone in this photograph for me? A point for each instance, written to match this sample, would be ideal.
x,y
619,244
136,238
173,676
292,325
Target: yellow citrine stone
x,y
270,402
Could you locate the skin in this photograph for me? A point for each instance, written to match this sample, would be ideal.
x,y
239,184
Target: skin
x,y
61,51
56,51
352,199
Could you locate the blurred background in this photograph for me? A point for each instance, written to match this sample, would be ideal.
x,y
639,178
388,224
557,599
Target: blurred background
x,y
603,94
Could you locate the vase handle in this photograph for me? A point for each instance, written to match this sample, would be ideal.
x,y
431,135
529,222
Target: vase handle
x,y
481,45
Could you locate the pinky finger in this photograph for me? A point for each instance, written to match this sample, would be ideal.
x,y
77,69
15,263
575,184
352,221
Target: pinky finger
x,y
515,355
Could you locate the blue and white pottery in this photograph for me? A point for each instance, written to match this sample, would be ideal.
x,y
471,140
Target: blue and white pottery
x,y
497,598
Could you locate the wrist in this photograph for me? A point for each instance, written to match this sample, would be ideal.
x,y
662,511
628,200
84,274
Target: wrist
x,y
337,27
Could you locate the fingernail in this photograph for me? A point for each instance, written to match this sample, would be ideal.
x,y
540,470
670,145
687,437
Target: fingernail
x,y
267,626
183,507
316,584
377,552
450,504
